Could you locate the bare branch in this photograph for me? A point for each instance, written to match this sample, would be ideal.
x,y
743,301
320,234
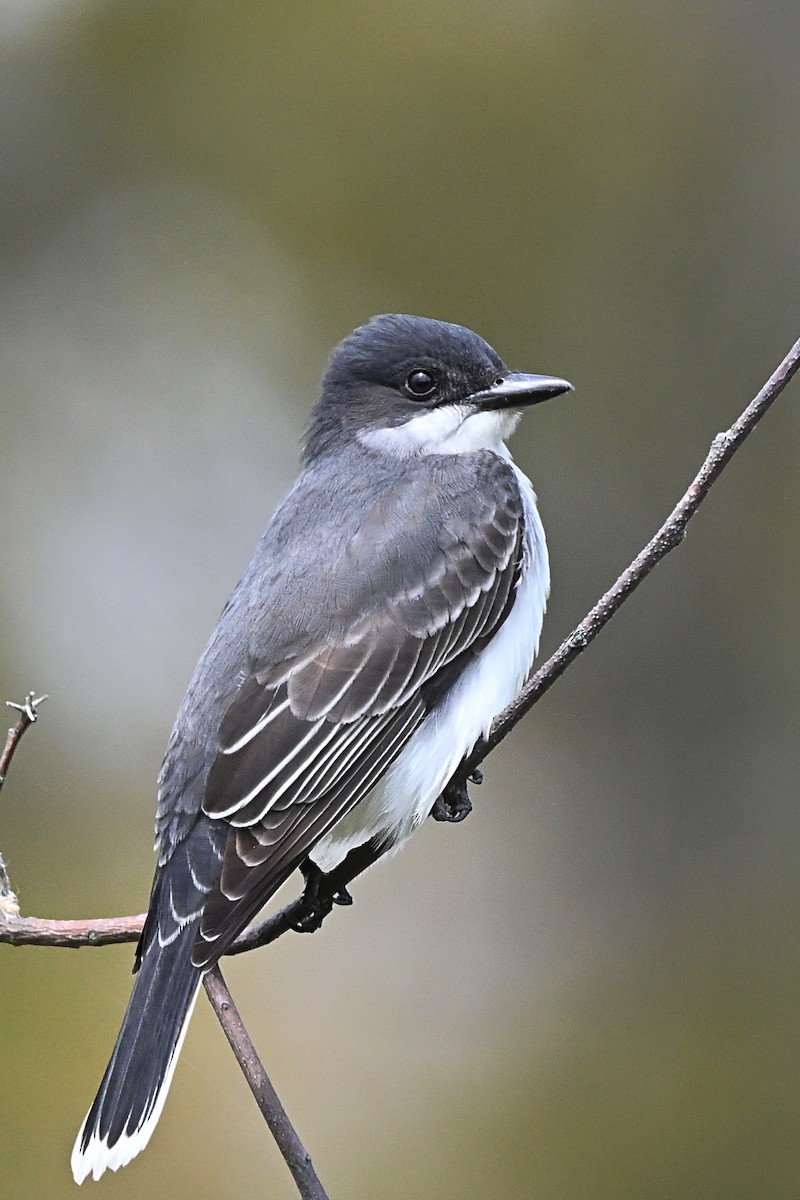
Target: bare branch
x,y
69,935
108,931
670,535
297,1158
9,905
27,717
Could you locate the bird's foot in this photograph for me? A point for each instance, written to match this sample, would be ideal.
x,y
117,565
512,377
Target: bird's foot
x,y
454,803
319,896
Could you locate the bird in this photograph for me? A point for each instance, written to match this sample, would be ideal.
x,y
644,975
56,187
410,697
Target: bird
x,y
391,610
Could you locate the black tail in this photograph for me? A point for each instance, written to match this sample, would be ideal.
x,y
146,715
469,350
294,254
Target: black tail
x,y
137,1079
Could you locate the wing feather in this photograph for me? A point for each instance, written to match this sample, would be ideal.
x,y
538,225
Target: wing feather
x,y
310,727
248,878
261,796
273,710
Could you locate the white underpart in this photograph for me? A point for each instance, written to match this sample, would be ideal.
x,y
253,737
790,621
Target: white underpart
x,y
407,792
98,1156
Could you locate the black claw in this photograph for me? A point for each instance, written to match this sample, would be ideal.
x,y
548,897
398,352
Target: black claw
x,y
312,920
453,805
316,903
318,898
476,776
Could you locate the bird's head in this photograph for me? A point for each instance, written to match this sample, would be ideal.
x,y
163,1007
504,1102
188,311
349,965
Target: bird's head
x,y
406,385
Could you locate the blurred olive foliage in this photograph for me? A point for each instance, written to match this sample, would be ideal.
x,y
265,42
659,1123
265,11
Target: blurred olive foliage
x,y
590,990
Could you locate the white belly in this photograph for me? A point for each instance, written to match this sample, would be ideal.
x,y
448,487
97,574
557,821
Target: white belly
x,y
408,790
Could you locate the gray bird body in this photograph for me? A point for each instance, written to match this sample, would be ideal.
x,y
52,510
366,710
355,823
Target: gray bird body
x,y
392,608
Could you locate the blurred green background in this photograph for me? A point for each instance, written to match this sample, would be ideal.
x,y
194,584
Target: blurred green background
x,y
590,990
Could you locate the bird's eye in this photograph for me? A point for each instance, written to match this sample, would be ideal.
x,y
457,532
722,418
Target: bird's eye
x,y
420,384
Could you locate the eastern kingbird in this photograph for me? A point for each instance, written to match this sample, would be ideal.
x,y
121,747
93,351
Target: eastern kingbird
x,y
391,610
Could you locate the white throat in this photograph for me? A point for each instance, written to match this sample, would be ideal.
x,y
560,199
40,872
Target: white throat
x,y
451,429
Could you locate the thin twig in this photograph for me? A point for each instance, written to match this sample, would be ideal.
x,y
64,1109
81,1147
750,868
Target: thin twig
x,y
297,1158
27,717
9,905
108,931
69,935
670,535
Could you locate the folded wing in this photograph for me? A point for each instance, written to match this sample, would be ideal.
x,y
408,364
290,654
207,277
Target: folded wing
x,y
305,739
